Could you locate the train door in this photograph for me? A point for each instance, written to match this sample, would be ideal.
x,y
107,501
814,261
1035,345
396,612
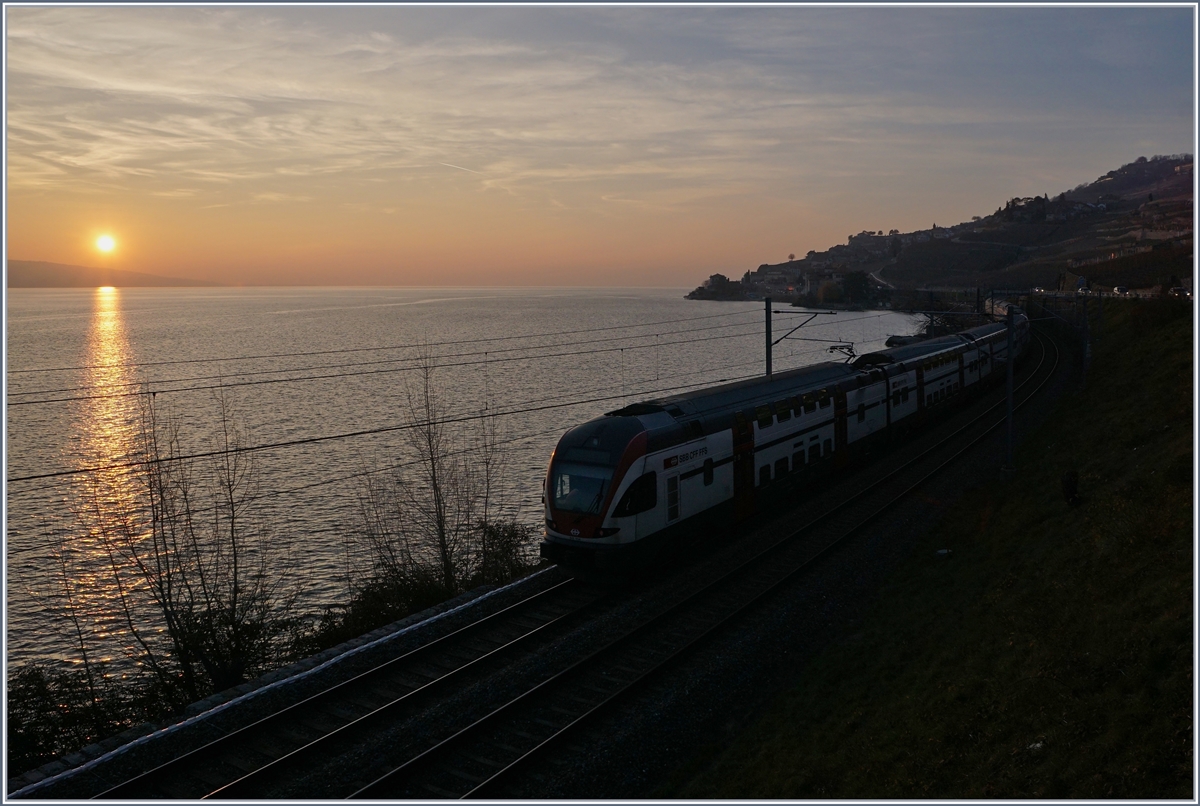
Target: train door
x,y
840,441
743,467
673,502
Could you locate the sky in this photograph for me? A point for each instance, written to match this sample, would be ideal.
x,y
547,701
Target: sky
x,y
557,145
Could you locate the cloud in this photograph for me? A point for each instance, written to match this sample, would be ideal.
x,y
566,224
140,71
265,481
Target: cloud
x,y
590,108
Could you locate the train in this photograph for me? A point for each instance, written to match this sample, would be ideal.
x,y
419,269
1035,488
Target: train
x,y
622,486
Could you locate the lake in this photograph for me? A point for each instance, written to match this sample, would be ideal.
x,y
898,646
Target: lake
x,y
321,373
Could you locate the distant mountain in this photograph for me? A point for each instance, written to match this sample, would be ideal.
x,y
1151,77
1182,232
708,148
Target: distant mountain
x,y
41,274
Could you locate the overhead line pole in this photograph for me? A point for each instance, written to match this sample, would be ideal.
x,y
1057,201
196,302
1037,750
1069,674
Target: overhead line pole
x,y
1008,453
768,314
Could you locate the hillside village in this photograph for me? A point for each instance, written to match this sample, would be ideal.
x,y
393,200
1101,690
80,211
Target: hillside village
x,y
1132,227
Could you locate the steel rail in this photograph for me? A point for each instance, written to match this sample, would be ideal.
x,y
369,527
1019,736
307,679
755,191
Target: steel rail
x,y
385,785
507,772
184,765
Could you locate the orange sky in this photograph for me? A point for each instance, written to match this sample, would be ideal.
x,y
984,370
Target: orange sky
x,y
557,146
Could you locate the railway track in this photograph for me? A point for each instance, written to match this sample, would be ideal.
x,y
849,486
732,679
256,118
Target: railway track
x,y
485,756
481,759
276,744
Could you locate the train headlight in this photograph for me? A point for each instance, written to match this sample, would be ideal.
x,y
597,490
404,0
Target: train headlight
x,y
608,532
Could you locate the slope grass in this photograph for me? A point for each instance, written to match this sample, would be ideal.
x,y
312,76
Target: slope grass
x,y
1052,656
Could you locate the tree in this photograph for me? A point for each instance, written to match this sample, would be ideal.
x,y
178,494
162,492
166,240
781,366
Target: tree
x,y
198,583
830,291
431,523
791,257
857,286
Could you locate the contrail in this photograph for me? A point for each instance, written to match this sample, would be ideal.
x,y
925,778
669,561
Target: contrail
x,y
459,167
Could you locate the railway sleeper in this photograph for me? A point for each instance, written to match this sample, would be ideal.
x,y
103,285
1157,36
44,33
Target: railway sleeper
x,y
441,793
405,680
623,668
471,778
584,701
445,660
508,748
483,644
241,763
606,692
486,762
460,653
388,693
345,714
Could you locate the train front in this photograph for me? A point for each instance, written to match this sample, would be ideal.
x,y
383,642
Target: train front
x,y
591,464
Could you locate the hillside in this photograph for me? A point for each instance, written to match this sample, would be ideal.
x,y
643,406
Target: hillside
x,y
1052,656
41,274
1131,227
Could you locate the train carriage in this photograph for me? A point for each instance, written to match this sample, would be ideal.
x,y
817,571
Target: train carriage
x,y
621,486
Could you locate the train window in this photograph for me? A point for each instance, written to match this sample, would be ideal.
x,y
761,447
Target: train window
x,y
783,411
708,472
928,400
797,460
797,406
764,474
825,402
862,412
642,496
781,467
904,395
828,447
764,416
672,497
579,488
814,453
810,405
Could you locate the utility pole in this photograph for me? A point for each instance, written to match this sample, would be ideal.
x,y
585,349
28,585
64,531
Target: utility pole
x,y
768,307
1008,453
1087,341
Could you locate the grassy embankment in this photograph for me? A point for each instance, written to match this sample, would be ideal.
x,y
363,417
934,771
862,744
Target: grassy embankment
x,y
1052,656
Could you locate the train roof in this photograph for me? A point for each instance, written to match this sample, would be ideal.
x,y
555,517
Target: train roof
x,y
739,394
908,352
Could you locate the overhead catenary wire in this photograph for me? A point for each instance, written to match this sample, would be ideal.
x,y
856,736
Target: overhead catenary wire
x,y
415,366
252,373
26,548
388,429
344,435
370,349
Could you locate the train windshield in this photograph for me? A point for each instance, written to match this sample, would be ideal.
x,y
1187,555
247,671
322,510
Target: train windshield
x,y
579,488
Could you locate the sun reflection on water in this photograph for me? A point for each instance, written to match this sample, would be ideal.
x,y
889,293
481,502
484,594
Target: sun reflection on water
x,y
105,500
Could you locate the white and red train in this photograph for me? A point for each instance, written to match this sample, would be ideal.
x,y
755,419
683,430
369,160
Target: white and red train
x,y
621,486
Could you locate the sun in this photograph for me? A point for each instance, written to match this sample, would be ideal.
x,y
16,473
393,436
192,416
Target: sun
x,y
105,243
